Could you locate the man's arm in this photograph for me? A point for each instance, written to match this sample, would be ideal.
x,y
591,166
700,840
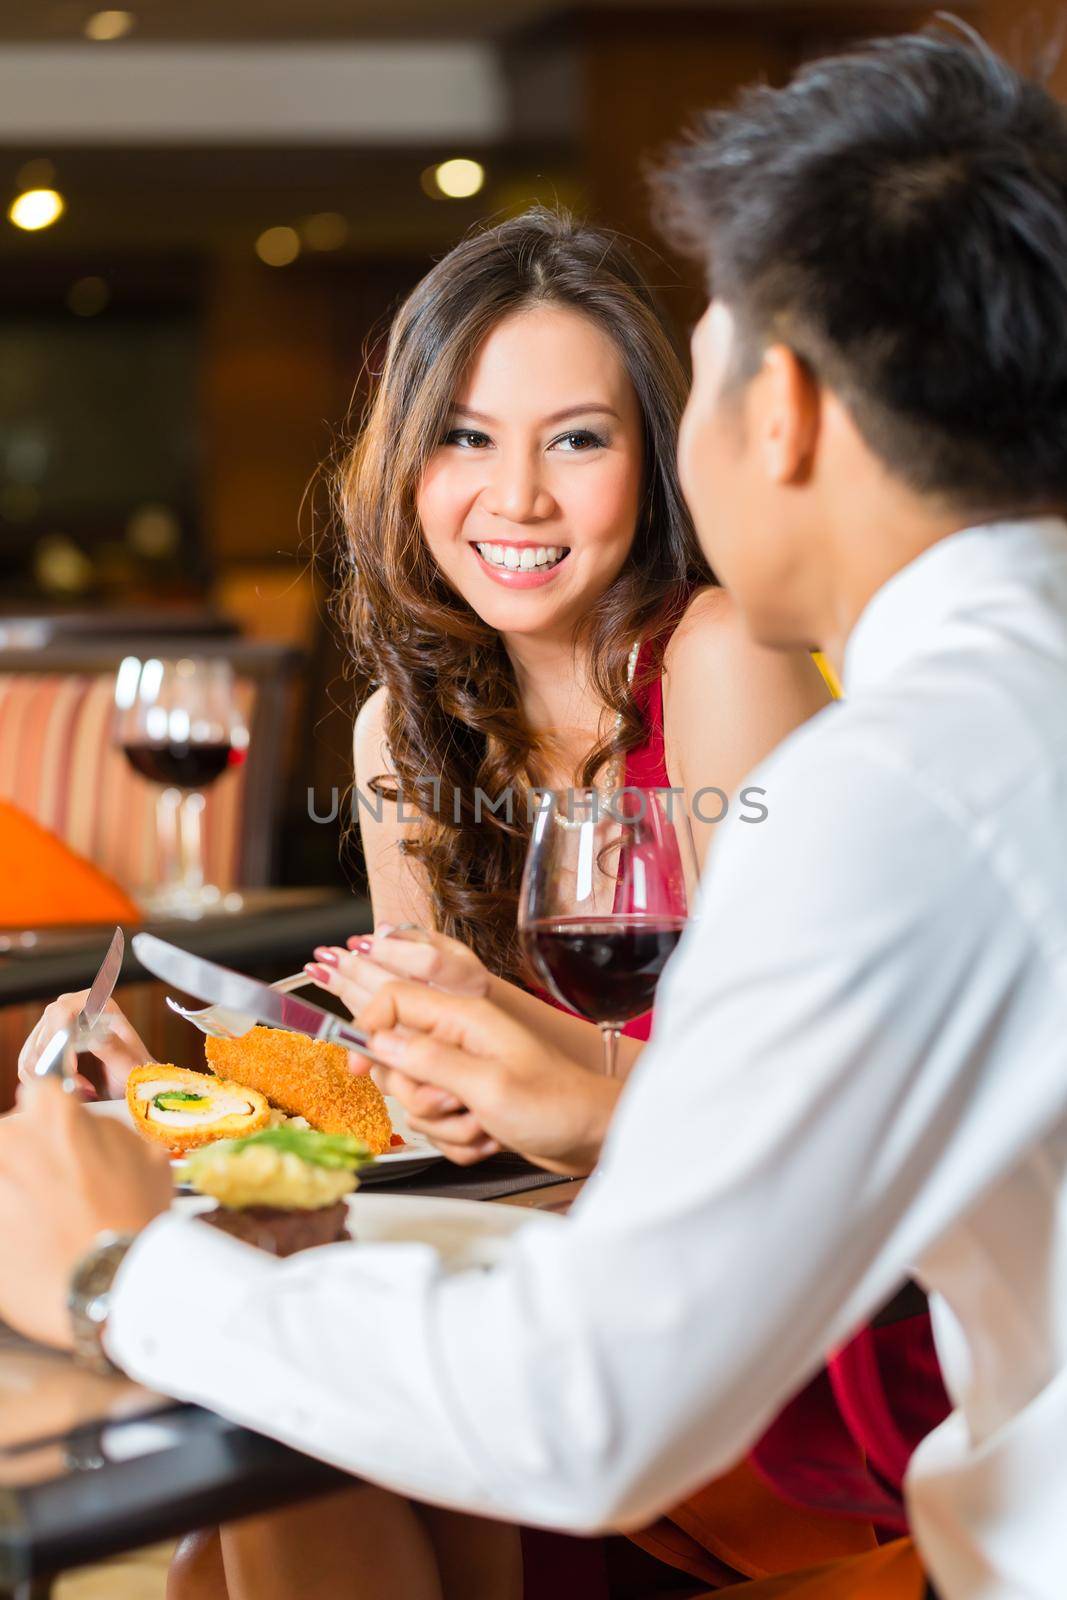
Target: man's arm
x,y
824,1093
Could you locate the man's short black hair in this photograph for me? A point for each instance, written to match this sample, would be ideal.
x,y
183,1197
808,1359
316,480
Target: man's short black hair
x,y
898,216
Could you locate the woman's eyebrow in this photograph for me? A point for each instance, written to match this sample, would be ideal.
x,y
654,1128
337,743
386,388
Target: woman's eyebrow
x,y
557,416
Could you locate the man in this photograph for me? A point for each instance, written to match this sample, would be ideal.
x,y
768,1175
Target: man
x,y
859,1067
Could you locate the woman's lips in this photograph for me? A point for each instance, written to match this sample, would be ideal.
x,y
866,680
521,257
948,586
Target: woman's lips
x,y
517,577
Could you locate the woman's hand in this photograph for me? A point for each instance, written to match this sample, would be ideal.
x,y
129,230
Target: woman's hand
x,y
118,1048
368,962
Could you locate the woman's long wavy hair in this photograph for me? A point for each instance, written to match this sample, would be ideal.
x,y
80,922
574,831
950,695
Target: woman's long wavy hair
x,y
453,709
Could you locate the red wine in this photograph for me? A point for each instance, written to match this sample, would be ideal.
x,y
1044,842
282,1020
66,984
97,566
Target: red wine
x,y
605,968
185,766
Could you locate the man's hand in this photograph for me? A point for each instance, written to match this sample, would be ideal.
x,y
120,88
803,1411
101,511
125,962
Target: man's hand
x,y
474,1080
119,1048
65,1177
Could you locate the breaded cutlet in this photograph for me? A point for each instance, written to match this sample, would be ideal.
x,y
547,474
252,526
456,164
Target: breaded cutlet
x,y
305,1078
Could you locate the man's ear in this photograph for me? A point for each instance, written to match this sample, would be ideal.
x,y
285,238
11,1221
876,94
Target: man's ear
x,y
785,415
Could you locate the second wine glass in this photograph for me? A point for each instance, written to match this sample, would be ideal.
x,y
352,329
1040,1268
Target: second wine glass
x,y
178,725
605,895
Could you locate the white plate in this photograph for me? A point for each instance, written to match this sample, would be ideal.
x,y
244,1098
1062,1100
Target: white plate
x,y
465,1233
413,1156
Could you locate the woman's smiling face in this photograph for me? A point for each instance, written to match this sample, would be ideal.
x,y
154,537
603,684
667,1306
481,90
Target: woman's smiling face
x,y
529,505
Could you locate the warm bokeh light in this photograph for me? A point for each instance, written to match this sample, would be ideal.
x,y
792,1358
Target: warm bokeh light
x,y
278,246
36,208
459,178
103,26
326,230
87,297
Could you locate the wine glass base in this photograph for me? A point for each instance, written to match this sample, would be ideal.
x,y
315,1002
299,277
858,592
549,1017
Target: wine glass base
x,y
180,901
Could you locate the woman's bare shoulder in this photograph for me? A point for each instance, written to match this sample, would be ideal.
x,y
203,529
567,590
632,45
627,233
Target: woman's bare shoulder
x,y
710,626
370,747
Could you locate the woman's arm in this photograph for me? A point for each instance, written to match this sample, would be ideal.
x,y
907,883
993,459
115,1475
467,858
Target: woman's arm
x,y
727,702
398,894
397,890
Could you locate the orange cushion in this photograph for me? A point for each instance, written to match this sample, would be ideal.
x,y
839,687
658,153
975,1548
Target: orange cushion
x,y
43,882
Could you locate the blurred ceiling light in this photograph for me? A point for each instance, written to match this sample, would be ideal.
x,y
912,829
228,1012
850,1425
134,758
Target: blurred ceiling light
x,y
278,246
104,26
38,174
60,567
154,531
36,208
457,179
86,297
326,230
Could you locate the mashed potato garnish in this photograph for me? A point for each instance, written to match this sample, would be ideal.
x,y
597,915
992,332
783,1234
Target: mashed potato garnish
x,y
260,1176
292,1169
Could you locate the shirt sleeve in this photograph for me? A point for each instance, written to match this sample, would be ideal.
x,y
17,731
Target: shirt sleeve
x,y
823,1095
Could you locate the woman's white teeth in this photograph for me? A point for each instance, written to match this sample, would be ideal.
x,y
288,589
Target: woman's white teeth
x,y
524,560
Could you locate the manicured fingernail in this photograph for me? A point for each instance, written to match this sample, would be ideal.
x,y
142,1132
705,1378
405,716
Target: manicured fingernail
x,y
384,929
360,944
326,955
390,1046
313,970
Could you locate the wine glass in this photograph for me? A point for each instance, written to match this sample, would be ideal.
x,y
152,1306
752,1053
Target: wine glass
x,y
605,894
178,724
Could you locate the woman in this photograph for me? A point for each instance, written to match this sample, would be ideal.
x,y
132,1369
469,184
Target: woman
x,y
515,530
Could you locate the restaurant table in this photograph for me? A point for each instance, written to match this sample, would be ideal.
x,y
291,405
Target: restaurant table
x,y
93,1466
275,929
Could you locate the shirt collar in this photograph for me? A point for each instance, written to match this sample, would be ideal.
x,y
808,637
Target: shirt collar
x,y
908,615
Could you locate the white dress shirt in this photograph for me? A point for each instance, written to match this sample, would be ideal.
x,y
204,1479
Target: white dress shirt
x,y
858,1071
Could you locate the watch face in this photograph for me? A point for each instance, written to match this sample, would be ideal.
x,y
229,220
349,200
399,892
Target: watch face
x,y
89,1299
96,1271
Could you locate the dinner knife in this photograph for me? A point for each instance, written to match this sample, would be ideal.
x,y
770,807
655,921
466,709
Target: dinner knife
x,y
103,986
255,1001
59,1057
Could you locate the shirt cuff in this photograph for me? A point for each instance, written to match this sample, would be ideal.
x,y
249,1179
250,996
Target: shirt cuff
x,y
154,1319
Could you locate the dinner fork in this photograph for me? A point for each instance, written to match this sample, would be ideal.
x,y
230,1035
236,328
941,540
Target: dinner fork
x,y
219,1022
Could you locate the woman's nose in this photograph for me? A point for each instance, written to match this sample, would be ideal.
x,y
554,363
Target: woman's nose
x,y
516,490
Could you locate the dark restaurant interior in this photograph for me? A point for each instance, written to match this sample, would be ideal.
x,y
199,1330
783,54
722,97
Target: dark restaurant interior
x,y
211,212
185,346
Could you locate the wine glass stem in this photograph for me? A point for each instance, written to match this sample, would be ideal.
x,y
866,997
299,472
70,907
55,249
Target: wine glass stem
x,y
193,842
610,1036
168,872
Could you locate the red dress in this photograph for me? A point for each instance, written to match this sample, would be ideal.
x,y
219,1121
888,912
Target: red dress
x,y
815,1502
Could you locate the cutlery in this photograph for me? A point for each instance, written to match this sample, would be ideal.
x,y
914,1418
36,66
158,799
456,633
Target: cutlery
x,y
254,1002
59,1058
100,993
218,1023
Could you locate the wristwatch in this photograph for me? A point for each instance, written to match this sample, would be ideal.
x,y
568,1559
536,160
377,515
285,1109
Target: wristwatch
x,y
89,1299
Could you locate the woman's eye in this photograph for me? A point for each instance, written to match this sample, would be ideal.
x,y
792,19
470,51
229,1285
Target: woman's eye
x,y
580,440
467,438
